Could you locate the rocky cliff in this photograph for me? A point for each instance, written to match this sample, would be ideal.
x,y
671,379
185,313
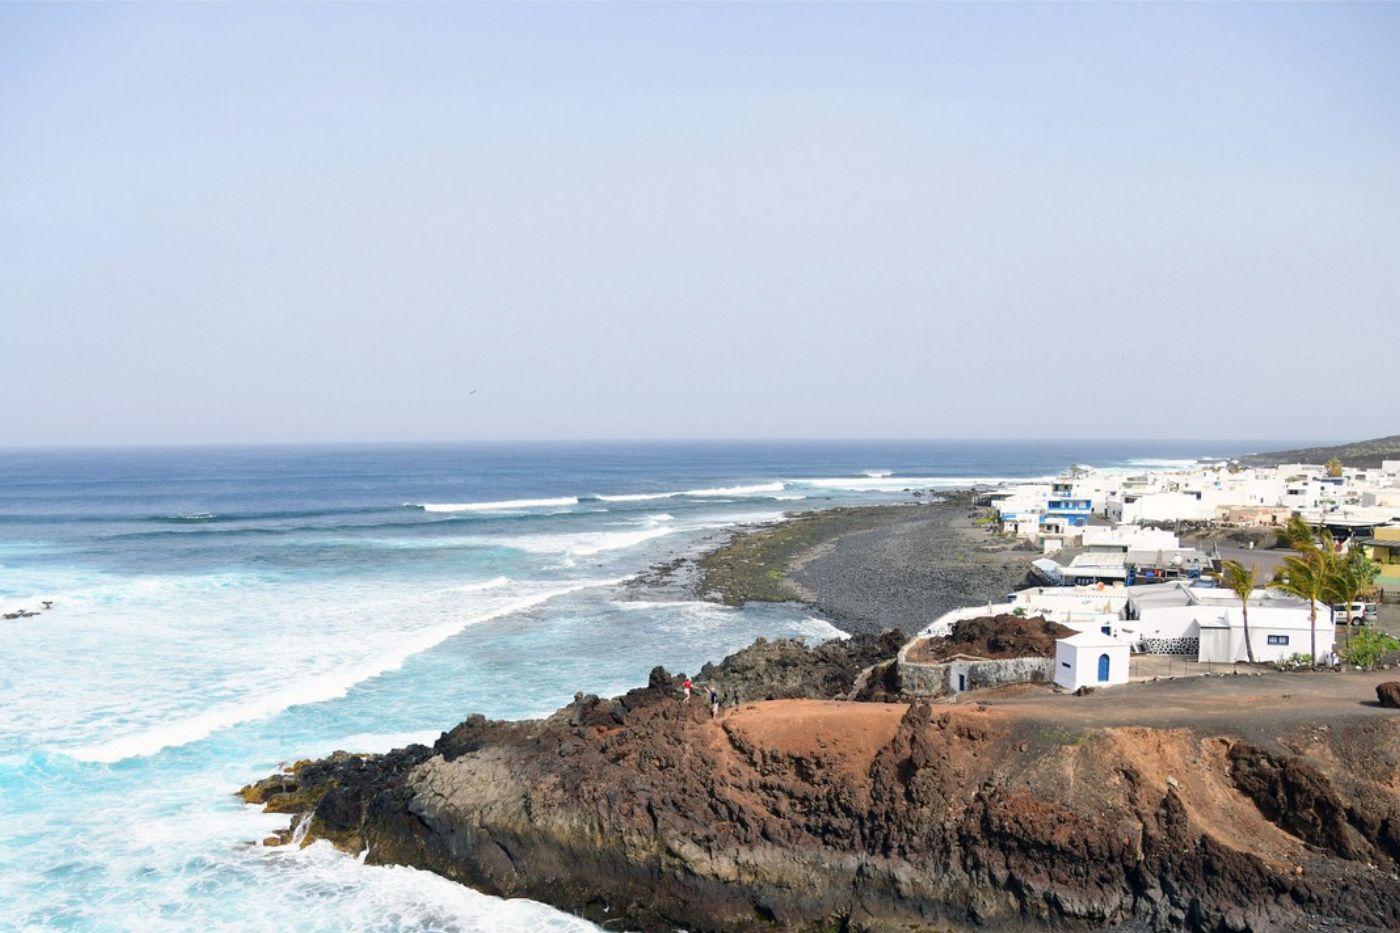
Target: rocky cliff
x,y
643,812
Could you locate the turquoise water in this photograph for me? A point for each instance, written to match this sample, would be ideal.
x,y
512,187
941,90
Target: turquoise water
x,y
218,612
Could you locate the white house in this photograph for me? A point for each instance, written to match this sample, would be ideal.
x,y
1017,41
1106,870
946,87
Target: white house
x,y
1274,632
1171,618
1121,539
1090,659
1065,604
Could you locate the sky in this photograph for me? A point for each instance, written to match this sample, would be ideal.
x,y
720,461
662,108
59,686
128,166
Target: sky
x,y
227,223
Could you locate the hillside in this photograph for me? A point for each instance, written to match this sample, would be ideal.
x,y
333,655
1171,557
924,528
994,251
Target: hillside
x,y
1358,454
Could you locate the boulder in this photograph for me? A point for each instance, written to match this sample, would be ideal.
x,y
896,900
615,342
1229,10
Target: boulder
x,y
1389,693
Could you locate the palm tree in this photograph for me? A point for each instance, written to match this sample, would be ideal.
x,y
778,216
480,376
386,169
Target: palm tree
x,y
1353,578
1297,534
1242,583
1308,575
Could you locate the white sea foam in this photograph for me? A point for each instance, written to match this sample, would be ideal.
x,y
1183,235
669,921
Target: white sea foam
x,y
715,492
1164,463
579,544
722,491
414,899
638,496
877,474
899,483
635,605
315,689
483,585
505,505
820,630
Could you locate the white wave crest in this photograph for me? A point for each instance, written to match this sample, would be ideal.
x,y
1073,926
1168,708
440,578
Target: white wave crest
x,y
331,685
820,630
721,491
638,496
581,544
877,474
483,585
505,505
703,493
1164,463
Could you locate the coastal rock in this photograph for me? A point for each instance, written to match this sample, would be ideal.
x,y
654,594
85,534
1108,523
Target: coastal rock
x,y
1388,694
788,669
642,811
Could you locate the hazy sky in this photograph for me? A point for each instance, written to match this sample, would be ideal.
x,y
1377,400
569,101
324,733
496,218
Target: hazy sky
x,y
333,222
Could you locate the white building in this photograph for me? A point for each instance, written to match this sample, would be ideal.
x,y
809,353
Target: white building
x,y
1091,659
1068,604
1167,618
1124,538
1274,633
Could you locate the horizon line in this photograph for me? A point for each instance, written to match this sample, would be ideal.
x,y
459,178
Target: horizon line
x,y
562,441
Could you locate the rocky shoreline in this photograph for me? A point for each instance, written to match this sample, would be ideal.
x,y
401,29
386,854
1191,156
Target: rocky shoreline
x,y
865,569
812,812
821,799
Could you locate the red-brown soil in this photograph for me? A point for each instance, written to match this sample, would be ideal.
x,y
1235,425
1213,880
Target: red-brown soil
x,y
1215,803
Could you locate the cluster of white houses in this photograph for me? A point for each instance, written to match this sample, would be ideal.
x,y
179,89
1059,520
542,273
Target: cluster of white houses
x,y
1131,588
1171,618
1059,512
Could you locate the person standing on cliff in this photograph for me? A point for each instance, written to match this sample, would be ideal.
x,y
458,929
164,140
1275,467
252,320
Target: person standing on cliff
x,y
686,687
714,703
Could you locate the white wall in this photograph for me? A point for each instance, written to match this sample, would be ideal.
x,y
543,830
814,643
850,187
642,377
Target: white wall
x,y
1173,621
1167,507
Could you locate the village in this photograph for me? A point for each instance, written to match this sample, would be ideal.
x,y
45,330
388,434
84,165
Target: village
x,y
1206,569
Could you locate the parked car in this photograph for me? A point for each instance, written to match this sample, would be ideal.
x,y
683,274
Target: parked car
x,y
1361,613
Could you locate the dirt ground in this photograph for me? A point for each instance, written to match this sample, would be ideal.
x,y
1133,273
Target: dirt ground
x,y
1261,706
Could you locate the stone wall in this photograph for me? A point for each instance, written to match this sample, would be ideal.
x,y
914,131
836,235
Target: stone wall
x,y
1186,646
934,680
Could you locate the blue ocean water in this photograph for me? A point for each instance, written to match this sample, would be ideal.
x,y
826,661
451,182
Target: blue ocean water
x,y
217,612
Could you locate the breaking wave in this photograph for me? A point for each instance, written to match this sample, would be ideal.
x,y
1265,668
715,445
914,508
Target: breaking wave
x,y
316,689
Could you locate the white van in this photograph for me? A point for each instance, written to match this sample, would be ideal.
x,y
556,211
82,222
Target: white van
x,y
1361,613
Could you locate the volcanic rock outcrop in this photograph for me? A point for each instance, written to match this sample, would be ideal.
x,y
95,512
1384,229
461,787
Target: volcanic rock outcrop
x,y
644,812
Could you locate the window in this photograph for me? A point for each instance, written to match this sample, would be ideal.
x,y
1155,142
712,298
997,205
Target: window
x,y
1278,639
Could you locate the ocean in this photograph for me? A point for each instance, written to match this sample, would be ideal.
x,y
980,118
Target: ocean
x,y
218,612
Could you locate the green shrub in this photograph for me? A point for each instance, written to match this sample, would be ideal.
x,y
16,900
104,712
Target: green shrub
x,y
1367,647
1297,661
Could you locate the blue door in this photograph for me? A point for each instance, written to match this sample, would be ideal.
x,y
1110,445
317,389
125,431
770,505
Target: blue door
x,y
1103,668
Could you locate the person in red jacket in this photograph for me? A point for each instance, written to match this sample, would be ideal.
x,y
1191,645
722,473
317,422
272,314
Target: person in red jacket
x,y
686,686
